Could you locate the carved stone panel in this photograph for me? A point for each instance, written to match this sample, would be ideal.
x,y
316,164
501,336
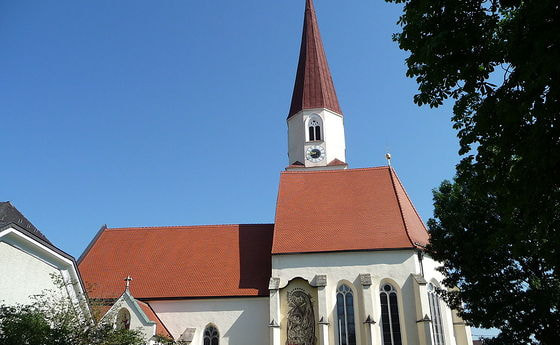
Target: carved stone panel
x,y
365,279
301,318
320,280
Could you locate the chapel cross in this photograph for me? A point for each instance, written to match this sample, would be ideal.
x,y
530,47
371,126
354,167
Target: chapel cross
x,y
128,280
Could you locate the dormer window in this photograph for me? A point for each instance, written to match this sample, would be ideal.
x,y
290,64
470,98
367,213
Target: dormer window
x,y
314,129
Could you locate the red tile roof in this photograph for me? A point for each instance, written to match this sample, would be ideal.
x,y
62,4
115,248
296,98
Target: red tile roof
x,y
314,87
344,210
175,262
160,327
336,162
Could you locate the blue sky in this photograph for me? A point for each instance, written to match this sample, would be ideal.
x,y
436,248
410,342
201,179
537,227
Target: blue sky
x,y
143,113
146,113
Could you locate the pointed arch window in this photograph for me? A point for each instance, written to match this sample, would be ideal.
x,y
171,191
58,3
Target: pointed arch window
x,y
390,324
314,129
435,310
346,325
123,319
211,335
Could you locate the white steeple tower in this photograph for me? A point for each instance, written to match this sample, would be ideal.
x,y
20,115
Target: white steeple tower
x,y
315,122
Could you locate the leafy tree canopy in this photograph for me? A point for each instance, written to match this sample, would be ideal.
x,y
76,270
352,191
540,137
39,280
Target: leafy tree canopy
x,y
52,318
58,324
497,225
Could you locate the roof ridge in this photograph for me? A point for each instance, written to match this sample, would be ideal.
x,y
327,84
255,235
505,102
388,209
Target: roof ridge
x,y
400,207
186,226
394,177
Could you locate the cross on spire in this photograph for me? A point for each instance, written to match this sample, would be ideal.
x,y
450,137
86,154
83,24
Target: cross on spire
x,y
128,279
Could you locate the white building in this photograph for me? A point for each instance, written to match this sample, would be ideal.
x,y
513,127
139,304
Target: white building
x,y
342,264
31,265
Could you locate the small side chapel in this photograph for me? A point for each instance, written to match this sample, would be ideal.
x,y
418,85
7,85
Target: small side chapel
x,y
343,263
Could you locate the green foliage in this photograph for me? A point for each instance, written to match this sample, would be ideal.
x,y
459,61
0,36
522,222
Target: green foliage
x,y
497,225
161,340
38,324
53,319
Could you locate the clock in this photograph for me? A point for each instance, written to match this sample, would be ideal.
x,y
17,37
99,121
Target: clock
x,y
315,154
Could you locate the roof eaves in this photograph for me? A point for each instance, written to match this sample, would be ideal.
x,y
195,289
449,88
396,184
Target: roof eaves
x,y
38,239
338,171
344,251
178,298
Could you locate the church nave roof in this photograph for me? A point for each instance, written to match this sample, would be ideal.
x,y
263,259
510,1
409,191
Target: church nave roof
x,y
180,262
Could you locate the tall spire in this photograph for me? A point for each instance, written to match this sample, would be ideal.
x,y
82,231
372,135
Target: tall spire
x,y
314,86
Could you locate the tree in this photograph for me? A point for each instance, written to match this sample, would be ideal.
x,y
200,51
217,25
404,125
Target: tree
x,y
53,318
496,227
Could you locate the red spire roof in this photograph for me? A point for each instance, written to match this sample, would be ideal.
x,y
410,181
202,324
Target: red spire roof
x,y
314,86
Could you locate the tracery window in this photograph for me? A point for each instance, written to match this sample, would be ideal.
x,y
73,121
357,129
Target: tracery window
x,y
314,129
390,324
346,326
211,336
435,310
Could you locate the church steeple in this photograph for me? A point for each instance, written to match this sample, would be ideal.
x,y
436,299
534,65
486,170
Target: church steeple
x,y
315,122
314,87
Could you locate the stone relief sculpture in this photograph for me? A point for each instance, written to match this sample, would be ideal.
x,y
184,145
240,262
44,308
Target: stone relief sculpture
x,y
301,318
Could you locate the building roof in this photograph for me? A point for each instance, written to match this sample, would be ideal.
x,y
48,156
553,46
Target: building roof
x,y
11,215
345,210
336,162
314,87
180,262
160,327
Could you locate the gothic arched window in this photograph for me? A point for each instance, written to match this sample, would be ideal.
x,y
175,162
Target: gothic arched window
x,y
123,319
435,310
390,325
314,129
211,335
346,327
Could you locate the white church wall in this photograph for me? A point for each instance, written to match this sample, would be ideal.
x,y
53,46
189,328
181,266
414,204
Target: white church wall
x,y
383,266
432,275
335,142
296,139
242,320
23,275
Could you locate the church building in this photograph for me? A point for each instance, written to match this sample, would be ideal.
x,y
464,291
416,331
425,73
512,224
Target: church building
x,y
343,263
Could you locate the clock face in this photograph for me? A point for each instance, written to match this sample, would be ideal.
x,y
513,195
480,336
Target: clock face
x,y
315,154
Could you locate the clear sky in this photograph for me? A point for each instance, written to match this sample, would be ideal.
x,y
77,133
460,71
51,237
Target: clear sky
x,y
146,113
143,113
